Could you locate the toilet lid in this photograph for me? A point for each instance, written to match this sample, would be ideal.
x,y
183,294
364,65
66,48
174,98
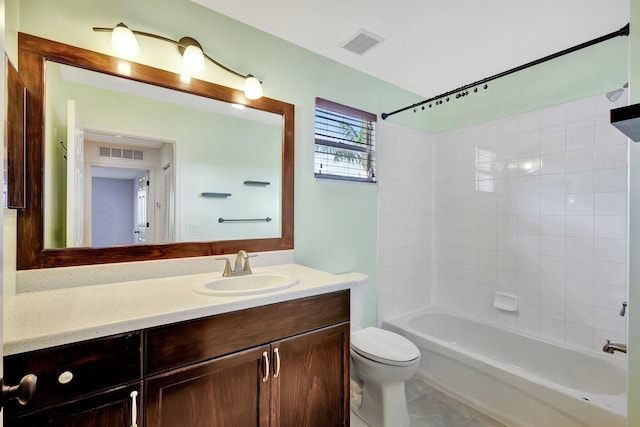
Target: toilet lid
x,y
384,346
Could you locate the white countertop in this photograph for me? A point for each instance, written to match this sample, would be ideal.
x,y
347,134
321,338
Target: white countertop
x,y
36,320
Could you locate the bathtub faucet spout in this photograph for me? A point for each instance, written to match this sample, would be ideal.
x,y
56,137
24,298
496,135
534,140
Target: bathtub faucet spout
x,y
610,347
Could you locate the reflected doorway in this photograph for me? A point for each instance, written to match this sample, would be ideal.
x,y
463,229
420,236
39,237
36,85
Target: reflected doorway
x,y
120,200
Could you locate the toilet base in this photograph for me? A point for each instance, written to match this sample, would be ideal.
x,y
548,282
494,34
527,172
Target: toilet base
x,y
383,406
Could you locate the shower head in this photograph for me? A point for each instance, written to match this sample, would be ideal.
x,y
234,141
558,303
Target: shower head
x,y
614,95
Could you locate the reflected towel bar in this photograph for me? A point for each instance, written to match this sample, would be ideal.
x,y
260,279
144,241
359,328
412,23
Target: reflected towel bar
x,y
267,219
216,194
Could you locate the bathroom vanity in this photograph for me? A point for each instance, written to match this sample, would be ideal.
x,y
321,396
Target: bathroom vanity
x,y
283,363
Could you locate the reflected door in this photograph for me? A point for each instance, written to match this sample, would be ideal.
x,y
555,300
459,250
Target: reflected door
x,y
75,178
142,231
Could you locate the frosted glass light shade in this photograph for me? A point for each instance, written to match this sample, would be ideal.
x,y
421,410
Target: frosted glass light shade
x,y
123,41
252,87
193,58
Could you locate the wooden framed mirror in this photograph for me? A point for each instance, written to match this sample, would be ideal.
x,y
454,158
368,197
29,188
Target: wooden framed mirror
x,y
31,250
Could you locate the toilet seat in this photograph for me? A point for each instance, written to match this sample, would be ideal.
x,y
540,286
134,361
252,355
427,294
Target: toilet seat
x,y
384,346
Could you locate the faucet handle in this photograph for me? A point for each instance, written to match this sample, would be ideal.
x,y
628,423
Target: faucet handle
x,y
227,266
247,267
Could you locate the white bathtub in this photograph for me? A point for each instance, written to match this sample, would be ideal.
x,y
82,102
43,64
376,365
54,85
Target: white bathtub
x,y
519,380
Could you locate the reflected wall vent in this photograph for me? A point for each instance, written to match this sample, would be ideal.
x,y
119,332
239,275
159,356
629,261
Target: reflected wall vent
x,y
121,153
362,42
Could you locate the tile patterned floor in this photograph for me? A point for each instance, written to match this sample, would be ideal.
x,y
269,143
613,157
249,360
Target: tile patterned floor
x,y
429,407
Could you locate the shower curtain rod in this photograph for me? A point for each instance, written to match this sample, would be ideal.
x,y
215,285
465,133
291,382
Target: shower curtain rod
x,y
624,31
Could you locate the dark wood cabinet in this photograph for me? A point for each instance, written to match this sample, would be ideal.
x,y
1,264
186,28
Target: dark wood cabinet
x,y
284,365
230,391
113,408
312,386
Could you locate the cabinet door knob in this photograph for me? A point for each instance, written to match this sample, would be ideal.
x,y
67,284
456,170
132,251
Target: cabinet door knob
x,y
276,371
265,366
24,391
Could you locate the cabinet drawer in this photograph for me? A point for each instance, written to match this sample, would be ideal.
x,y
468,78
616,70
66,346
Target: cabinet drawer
x,y
180,344
67,372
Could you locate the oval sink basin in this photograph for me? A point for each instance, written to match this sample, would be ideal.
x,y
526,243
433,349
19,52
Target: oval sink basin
x,y
256,283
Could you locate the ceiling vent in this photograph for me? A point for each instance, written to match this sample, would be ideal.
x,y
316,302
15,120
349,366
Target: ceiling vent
x,y
120,153
362,42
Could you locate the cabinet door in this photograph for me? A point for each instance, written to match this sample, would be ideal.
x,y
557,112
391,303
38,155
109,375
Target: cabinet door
x,y
230,391
310,388
110,409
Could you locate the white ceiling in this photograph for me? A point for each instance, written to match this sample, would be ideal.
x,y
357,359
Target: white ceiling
x,y
432,46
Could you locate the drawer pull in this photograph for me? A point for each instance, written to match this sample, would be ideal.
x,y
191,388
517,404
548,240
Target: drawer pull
x,y
265,366
65,378
134,409
276,353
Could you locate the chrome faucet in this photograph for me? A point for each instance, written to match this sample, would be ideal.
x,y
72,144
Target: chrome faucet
x,y
238,268
610,347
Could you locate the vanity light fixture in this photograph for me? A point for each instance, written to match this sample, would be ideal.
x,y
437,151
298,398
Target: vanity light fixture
x,y
124,44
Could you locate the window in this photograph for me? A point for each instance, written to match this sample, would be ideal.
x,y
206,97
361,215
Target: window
x,y
344,142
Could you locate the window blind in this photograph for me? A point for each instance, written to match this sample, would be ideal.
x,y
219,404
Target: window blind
x,y
344,142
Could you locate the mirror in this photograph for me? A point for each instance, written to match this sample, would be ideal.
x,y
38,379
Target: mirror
x,y
149,165
36,58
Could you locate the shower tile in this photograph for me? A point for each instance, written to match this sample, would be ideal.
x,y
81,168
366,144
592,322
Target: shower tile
x,y
610,273
611,203
579,226
553,142
580,182
608,180
579,204
552,266
579,269
552,308
611,157
552,287
609,320
552,246
611,250
579,335
553,225
552,328
580,138
579,314
609,297
553,119
553,204
553,163
611,227
580,160
552,184
580,248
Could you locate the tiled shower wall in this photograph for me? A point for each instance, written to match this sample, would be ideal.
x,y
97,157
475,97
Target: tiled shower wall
x,y
404,229
533,205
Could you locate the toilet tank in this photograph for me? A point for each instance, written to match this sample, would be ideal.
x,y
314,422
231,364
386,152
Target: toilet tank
x,y
358,293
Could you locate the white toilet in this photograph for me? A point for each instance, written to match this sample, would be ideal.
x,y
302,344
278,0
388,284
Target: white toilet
x,y
381,363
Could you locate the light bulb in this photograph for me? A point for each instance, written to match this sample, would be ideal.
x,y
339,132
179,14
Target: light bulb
x,y
193,58
252,87
123,41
